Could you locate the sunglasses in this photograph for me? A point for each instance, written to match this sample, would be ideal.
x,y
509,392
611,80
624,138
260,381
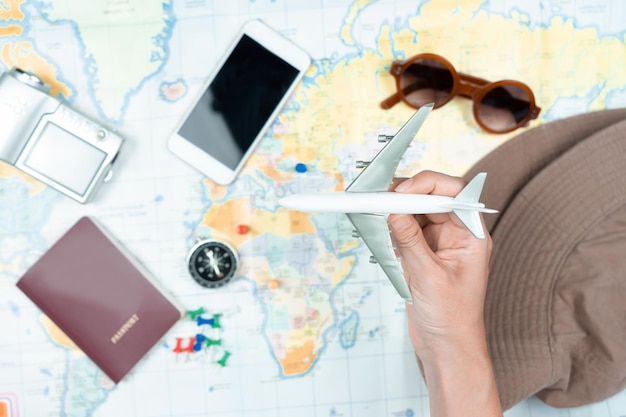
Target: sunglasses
x,y
499,107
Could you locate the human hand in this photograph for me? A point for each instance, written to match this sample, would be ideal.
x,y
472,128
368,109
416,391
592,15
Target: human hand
x,y
446,269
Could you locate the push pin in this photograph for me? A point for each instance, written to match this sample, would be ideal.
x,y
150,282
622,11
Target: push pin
x,y
200,338
301,168
242,229
213,342
195,313
273,284
213,321
179,345
216,321
222,361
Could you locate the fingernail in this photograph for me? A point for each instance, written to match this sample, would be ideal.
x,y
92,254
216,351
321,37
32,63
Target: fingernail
x,y
403,186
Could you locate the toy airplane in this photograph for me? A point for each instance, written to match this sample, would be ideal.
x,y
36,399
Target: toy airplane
x,y
369,192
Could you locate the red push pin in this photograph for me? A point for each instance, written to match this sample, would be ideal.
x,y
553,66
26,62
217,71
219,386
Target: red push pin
x,y
242,229
180,348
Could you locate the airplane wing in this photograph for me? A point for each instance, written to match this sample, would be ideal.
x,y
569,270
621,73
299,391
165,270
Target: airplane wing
x,y
374,231
378,174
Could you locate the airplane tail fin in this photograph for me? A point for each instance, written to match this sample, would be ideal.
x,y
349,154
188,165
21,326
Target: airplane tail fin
x,y
471,220
470,194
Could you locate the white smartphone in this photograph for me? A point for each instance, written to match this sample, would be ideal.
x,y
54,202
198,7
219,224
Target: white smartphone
x,y
239,102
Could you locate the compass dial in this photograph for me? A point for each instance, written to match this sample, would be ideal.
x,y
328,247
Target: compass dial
x,y
212,263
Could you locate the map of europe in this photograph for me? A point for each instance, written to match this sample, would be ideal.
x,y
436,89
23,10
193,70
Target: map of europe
x,y
310,327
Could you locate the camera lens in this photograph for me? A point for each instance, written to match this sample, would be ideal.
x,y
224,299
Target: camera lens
x,y
30,79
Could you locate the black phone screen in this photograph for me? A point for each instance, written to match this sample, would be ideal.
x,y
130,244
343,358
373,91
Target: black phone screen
x,y
238,102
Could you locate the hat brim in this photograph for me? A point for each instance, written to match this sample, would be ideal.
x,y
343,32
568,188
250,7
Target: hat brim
x,y
552,185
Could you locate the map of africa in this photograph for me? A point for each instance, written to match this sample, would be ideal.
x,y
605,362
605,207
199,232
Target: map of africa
x,y
330,338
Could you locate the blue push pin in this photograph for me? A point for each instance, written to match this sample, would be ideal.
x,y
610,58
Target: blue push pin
x,y
213,321
202,321
301,168
200,338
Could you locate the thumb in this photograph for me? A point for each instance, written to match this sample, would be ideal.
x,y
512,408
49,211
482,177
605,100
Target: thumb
x,y
416,256
409,239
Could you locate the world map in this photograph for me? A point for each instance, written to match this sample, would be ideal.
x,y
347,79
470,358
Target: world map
x,y
330,339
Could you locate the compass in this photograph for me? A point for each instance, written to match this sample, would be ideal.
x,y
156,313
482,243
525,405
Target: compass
x,y
212,263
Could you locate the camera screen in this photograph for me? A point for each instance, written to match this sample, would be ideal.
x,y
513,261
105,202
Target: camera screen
x,y
65,158
238,102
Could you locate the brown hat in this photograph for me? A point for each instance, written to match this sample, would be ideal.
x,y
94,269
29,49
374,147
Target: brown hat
x,y
555,309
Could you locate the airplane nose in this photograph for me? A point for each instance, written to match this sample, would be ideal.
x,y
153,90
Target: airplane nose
x,y
287,202
297,202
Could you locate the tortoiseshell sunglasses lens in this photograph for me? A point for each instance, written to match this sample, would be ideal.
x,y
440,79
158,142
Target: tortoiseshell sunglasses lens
x,y
426,81
503,107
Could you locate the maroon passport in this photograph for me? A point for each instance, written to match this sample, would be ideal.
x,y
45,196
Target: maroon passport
x,y
102,299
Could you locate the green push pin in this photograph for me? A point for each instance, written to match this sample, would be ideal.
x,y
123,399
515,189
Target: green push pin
x,y
195,313
222,362
212,342
216,321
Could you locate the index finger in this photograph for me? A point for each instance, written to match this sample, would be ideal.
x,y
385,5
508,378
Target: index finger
x,y
431,182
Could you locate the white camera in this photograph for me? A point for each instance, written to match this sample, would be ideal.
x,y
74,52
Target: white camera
x,y
51,142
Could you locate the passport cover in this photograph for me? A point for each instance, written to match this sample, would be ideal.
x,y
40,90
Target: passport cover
x,y
101,298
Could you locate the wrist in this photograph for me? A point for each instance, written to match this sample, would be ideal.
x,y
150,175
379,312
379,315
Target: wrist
x,y
455,362
463,343
460,381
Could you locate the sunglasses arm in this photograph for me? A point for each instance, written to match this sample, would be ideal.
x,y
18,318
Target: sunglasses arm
x,y
394,99
390,101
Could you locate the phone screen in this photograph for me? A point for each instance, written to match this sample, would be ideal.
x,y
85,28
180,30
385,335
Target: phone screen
x,y
237,103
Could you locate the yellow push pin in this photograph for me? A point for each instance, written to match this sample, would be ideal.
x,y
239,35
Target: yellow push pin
x,y
272,284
